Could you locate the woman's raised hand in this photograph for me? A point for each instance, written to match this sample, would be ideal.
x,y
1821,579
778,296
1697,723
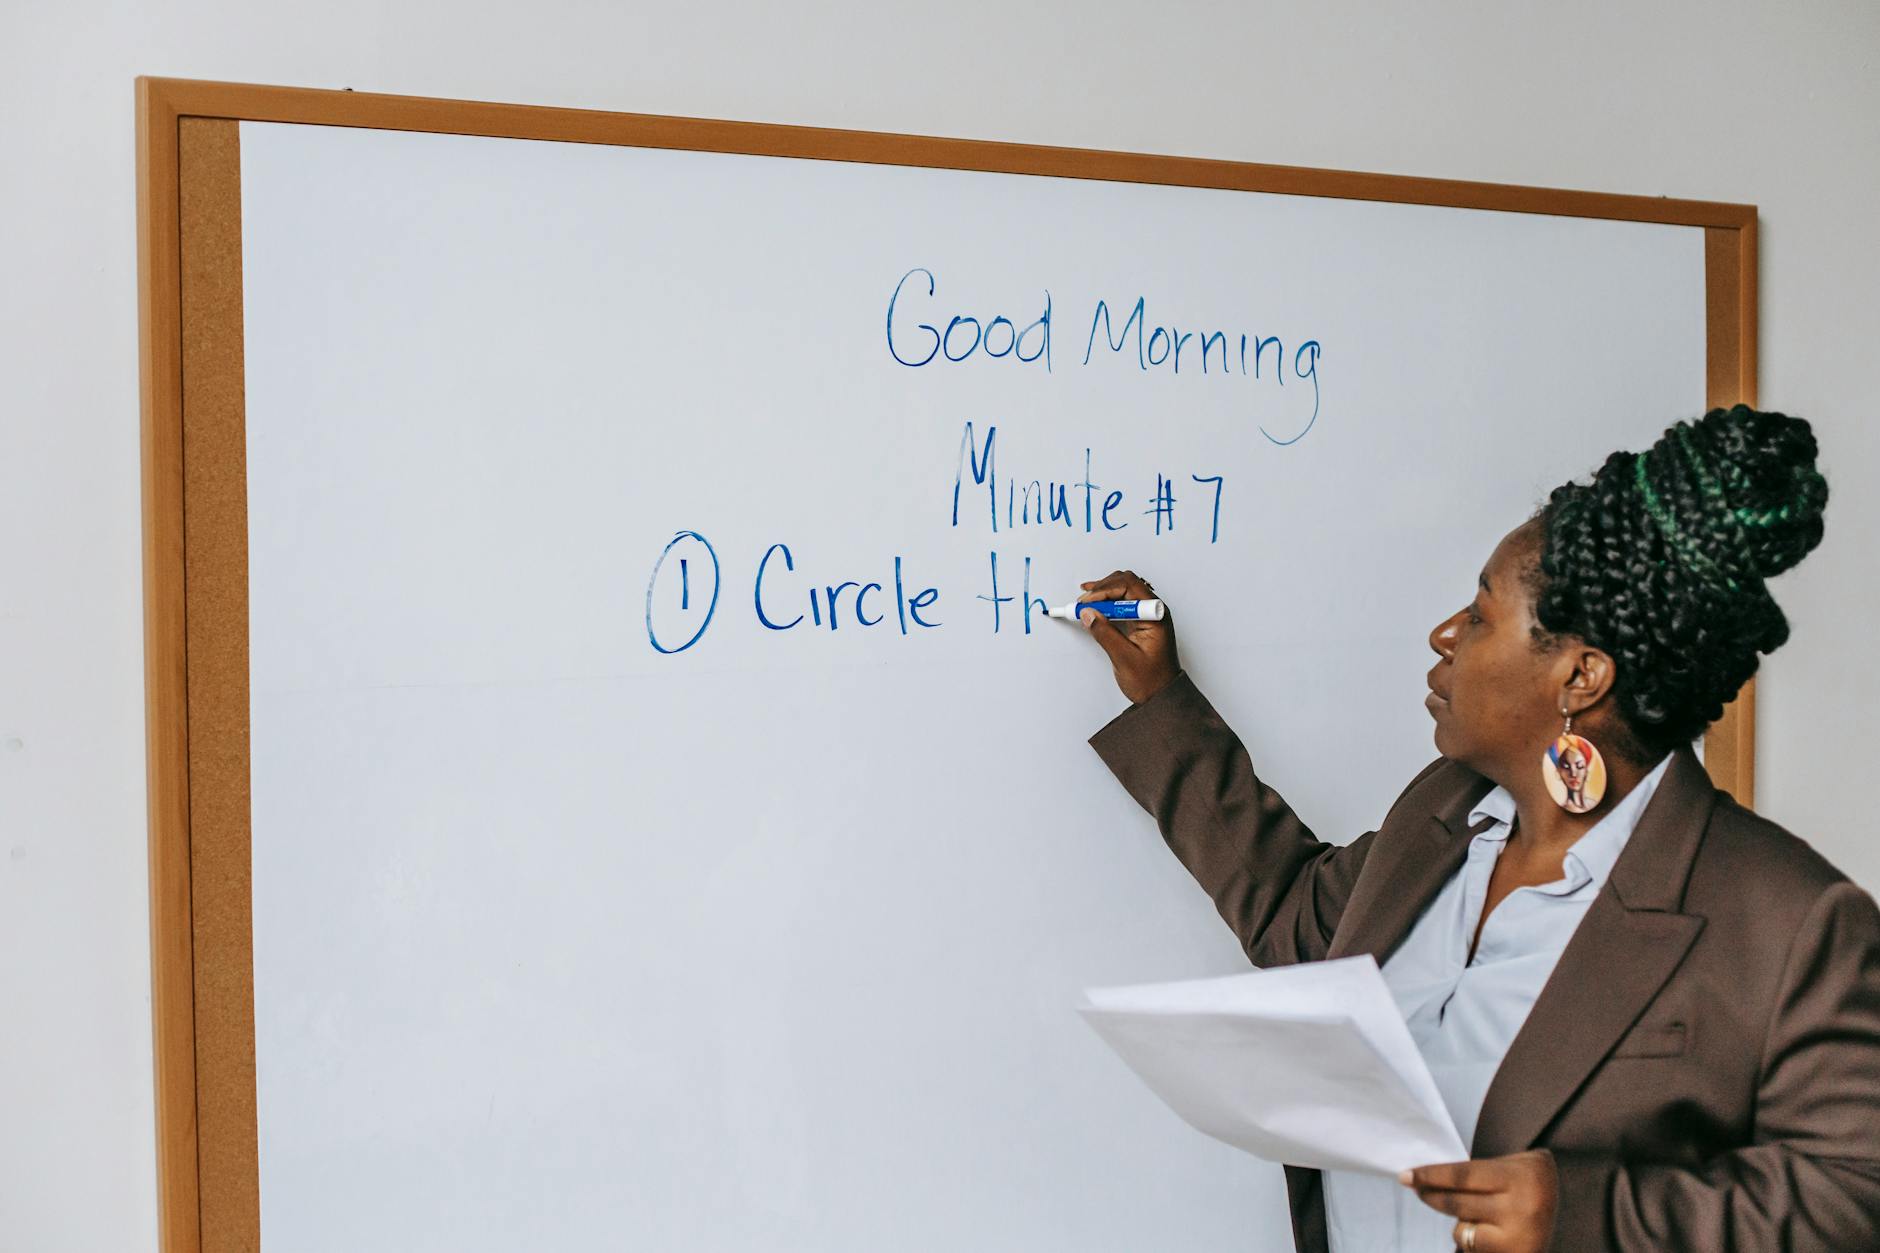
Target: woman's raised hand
x,y
1141,653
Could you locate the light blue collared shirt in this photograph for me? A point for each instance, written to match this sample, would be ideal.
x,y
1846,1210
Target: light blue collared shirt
x,y
1464,1013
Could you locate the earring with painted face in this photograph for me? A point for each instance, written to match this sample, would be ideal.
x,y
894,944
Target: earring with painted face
x,y
1574,770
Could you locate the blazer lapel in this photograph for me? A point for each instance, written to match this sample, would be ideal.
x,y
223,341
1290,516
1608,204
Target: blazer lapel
x,y
1412,855
1622,953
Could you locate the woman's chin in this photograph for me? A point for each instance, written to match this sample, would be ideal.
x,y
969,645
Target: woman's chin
x,y
1438,710
1451,748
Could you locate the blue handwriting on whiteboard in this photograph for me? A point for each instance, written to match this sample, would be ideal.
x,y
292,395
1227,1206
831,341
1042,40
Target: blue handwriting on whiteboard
x,y
685,591
964,334
1054,502
828,605
1158,346
915,343
825,603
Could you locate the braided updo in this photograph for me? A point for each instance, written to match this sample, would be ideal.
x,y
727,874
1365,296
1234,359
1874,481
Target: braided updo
x,y
1661,562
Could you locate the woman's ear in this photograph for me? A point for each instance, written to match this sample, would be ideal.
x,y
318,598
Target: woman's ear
x,y
1591,673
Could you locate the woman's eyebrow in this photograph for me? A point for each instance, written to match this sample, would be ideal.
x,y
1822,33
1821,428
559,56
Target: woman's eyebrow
x,y
1483,580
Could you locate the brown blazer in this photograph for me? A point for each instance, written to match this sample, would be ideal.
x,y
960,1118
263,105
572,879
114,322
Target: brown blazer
x,y
1704,1062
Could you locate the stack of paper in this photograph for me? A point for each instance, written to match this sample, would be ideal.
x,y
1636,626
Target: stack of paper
x,y
1310,1065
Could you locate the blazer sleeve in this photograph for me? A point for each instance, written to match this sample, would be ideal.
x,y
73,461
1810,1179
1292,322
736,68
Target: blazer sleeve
x,y
1812,1179
1279,887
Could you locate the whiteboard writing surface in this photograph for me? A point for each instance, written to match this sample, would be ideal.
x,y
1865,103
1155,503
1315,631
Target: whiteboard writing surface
x,y
672,826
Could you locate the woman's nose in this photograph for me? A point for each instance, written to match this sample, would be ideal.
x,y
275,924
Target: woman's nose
x,y
1443,638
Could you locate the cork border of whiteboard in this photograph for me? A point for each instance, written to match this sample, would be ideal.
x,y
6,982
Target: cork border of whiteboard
x,y
196,531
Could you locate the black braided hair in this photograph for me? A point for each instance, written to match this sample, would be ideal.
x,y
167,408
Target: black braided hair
x,y
1661,562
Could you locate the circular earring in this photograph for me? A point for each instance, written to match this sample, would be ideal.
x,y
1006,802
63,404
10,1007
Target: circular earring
x,y
1574,770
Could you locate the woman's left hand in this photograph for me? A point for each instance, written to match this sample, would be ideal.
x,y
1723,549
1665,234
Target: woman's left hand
x,y
1510,1200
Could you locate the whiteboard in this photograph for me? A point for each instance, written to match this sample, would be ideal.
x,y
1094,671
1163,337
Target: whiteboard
x,y
610,893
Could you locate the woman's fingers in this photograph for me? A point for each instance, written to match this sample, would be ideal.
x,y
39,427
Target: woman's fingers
x,y
1114,633
1473,1191
1141,653
1488,1238
1469,1176
1104,632
1477,1207
1117,585
1109,587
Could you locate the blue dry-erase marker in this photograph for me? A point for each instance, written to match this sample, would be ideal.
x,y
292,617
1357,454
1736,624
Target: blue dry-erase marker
x,y
1143,610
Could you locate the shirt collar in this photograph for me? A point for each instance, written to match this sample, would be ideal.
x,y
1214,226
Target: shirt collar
x,y
1594,853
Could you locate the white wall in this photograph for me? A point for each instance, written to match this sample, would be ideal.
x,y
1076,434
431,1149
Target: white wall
x,y
1773,104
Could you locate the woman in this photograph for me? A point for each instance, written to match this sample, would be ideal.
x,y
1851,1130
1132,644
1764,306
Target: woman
x,y
1654,1016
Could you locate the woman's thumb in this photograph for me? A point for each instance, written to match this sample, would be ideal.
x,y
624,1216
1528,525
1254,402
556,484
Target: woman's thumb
x,y
1105,633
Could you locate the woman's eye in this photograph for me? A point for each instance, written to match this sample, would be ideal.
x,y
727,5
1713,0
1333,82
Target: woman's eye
x,y
1475,619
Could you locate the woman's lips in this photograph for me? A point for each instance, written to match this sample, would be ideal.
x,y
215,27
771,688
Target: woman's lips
x,y
1433,702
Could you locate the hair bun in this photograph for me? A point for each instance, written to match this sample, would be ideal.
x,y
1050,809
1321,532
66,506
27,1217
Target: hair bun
x,y
1759,498
1662,560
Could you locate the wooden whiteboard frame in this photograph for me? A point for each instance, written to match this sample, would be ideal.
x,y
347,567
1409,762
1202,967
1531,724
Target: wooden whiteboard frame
x,y
196,532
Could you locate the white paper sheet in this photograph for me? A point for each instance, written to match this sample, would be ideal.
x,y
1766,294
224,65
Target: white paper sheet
x,y
1310,1065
